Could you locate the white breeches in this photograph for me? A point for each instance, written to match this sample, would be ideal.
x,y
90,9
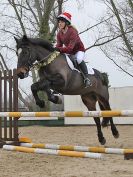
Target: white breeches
x,y
80,55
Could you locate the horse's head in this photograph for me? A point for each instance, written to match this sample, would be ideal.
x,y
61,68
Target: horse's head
x,y
28,51
26,56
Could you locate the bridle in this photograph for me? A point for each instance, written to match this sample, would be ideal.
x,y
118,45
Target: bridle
x,y
43,62
29,63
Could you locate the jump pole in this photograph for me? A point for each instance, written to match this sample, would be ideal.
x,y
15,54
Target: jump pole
x,y
78,148
120,113
53,152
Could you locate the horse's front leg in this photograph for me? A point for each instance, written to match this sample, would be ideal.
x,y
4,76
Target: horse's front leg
x,y
39,86
44,85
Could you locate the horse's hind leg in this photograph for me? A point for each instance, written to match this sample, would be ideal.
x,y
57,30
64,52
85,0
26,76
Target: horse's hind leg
x,y
105,121
104,105
114,129
90,101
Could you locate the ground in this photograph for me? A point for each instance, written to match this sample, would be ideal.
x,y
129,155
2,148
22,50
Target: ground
x,y
18,164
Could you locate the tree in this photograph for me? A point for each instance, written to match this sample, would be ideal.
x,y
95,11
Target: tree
x,y
118,30
36,18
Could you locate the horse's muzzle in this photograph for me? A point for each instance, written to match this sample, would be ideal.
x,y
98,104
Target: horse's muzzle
x,y
22,73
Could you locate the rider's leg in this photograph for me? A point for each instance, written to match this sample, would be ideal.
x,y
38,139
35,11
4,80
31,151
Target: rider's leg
x,y
80,59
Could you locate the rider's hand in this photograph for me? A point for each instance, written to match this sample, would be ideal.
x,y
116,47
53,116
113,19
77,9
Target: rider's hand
x,y
57,49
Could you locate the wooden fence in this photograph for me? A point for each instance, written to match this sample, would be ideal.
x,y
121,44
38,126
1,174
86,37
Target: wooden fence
x,y
8,102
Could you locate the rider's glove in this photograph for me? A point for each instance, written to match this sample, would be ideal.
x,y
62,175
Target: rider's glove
x,y
57,49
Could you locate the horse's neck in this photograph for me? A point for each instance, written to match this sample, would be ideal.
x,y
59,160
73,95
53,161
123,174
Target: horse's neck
x,y
42,53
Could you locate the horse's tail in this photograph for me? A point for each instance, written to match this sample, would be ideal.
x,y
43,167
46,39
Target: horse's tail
x,y
105,79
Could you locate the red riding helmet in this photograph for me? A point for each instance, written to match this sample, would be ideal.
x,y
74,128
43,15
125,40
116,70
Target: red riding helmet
x,y
66,17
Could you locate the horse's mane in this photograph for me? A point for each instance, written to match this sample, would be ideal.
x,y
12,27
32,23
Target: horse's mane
x,y
47,45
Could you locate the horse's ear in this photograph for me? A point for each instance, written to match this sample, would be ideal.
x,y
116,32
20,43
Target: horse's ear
x,y
16,39
25,38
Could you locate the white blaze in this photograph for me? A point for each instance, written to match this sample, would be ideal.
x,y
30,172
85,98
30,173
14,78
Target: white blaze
x,y
19,51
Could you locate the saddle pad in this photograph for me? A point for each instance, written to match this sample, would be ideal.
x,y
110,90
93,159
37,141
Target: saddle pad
x,y
70,64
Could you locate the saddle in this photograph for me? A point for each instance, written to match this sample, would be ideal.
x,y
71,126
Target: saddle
x,y
72,62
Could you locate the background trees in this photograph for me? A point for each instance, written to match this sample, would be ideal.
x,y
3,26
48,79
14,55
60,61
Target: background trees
x,y
117,33
113,32
34,18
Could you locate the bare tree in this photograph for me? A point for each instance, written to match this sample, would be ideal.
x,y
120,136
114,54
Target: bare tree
x,y
119,32
35,18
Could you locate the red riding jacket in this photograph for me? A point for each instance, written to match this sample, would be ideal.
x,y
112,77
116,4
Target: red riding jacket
x,y
71,40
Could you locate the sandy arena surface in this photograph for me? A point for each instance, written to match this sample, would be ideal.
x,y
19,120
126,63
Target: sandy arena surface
x,y
18,164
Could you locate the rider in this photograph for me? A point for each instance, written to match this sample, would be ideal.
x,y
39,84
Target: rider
x,y
68,36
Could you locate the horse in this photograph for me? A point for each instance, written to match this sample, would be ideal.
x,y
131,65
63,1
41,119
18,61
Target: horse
x,y
55,74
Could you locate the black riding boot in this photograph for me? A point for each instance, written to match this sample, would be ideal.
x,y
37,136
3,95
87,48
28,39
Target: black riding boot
x,y
84,70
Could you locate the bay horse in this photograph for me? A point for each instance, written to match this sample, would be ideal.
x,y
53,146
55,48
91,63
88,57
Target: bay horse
x,y
55,74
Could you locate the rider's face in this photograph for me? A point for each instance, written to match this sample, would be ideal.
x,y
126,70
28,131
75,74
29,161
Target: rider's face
x,y
61,24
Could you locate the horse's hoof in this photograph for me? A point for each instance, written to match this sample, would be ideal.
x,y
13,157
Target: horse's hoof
x,y
54,99
41,103
116,134
59,99
103,141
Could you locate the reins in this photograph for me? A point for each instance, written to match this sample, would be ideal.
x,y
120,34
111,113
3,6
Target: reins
x,y
45,61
